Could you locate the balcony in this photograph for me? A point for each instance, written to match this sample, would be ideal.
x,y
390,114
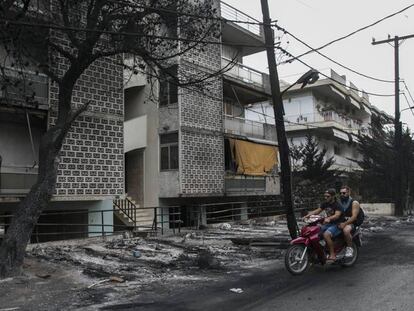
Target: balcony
x,y
133,77
25,87
245,74
17,180
243,127
324,119
246,185
231,13
249,36
345,164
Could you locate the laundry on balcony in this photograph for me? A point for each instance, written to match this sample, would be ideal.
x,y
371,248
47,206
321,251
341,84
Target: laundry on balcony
x,y
252,158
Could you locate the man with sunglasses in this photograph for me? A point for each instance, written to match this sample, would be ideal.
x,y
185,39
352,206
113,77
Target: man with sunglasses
x,y
334,216
354,216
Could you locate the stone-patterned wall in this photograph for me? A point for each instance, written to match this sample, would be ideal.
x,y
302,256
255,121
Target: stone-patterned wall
x,y
92,156
201,126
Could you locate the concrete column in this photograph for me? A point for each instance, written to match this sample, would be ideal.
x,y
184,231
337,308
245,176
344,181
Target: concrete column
x,y
202,217
243,212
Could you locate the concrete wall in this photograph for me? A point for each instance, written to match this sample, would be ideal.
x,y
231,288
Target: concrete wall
x,y
384,209
272,185
169,184
135,133
92,156
138,108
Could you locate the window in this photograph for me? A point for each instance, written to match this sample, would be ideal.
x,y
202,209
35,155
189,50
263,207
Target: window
x,y
168,93
169,151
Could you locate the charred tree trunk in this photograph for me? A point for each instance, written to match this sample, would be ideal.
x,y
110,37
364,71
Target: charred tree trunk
x,y
13,247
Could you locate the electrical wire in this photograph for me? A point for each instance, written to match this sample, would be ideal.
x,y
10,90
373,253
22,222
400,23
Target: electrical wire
x,y
350,34
408,90
408,103
328,77
330,59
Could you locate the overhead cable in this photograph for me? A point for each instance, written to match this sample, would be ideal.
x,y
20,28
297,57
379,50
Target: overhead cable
x,y
336,81
350,34
330,59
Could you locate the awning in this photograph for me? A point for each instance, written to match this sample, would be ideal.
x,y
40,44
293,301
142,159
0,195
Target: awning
x,y
253,159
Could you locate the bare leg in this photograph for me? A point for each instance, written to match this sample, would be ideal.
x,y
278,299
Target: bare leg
x,y
328,238
347,235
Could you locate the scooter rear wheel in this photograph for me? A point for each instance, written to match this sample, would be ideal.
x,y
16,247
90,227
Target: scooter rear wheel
x,y
293,261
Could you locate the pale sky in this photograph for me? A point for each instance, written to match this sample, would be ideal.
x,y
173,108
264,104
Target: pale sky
x,y
319,21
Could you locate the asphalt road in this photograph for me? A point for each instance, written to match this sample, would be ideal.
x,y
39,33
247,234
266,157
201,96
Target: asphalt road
x,y
382,279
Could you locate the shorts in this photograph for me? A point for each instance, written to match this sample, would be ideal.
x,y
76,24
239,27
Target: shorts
x,y
332,229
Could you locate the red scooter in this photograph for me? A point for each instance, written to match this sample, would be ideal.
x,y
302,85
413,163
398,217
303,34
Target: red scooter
x,y
310,248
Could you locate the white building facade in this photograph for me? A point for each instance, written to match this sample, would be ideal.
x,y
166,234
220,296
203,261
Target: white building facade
x,y
332,110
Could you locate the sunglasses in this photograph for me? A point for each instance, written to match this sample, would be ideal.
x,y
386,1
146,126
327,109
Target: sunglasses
x,y
343,193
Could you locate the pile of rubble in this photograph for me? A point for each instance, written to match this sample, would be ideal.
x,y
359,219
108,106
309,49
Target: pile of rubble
x,y
142,261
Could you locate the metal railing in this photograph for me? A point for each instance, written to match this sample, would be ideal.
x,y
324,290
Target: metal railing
x,y
241,126
242,72
54,229
169,219
344,162
325,116
231,13
127,208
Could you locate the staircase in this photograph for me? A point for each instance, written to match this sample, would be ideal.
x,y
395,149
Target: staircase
x,y
129,212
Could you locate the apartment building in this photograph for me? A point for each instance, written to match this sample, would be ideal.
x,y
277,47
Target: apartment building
x,y
191,148
333,110
91,165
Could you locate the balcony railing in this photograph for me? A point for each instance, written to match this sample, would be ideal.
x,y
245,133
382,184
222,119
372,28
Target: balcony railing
x,y
244,73
24,86
231,13
243,183
17,179
345,163
325,116
240,126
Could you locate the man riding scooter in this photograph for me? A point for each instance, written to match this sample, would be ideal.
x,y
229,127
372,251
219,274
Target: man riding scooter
x,y
334,216
354,216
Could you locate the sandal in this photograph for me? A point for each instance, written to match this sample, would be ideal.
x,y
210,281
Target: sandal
x,y
330,260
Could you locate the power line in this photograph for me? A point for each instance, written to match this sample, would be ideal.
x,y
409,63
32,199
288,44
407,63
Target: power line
x,y
408,90
330,59
408,103
328,77
350,34
409,93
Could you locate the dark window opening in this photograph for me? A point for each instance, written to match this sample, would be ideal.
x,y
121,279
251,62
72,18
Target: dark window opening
x,y
168,93
169,151
229,163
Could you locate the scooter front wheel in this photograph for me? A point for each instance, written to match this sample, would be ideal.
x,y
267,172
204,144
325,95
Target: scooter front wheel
x,y
296,259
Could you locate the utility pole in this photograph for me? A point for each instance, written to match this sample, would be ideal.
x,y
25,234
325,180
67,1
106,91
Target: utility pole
x,y
279,122
398,191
